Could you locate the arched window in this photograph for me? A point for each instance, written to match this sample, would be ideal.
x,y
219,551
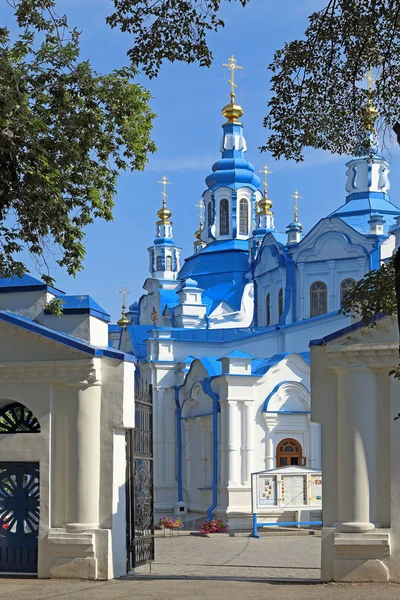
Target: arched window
x,y
289,452
224,217
17,418
345,287
268,307
209,214
159,263
318,299
243,217
168,263
280,302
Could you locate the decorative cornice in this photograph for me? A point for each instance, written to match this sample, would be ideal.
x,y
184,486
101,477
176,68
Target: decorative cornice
x,y
370,355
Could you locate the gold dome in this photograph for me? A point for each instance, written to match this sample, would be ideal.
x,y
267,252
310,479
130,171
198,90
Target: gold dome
x,y
164,214
123,321
232,111
264,206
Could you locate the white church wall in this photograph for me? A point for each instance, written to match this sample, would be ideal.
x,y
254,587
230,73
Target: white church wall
x,y
29,304
82,326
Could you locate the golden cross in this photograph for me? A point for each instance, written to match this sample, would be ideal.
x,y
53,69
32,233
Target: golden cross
x,y
164,182
296,197
232,66
368,77
200,206
266,172
124,292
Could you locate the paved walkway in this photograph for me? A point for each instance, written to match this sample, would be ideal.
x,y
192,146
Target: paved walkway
x,y
238,558
284,567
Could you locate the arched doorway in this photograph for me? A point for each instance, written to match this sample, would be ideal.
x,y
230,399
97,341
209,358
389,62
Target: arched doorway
x,y
19,497
289,452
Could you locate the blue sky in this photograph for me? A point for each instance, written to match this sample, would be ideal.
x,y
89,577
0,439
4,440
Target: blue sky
x,y
187,131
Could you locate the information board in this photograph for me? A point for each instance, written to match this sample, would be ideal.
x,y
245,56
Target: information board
x,y
267,495
293,490
315,489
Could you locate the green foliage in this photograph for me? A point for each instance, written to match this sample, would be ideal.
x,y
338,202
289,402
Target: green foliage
x,y
66,132
317,99
168,29
374,294
55,306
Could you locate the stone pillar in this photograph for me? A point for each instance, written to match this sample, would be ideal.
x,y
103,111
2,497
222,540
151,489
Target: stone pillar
x,y
83,445
233,444
357,448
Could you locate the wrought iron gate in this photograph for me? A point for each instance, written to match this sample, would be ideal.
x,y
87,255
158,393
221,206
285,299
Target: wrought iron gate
x,y
19,517
139,486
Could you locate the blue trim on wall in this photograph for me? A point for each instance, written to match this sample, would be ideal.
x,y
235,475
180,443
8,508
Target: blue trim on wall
x,y
276,388
179,441
206,384
375,255
234,214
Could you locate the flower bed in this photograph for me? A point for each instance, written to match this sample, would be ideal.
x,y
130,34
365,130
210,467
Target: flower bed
x,y
170,523
213,526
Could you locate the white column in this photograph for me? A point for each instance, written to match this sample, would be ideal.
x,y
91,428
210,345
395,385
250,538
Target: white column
x,y
357,448
84,458
332,305
233,444
301,287
223,444
249,444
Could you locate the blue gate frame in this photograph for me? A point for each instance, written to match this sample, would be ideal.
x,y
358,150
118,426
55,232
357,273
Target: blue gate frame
x,y
19,516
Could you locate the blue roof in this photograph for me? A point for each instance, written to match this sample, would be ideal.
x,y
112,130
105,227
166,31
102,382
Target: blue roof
x,y
237,354
168,298
138,335
26,283
233,170
62,338
261,365
75,305
358,211
220,270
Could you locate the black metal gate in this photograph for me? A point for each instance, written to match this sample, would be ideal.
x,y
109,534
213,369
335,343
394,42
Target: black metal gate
x,y
140,481
19,517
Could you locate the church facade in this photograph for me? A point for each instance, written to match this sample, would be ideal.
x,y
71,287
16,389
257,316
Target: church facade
x,y
223,335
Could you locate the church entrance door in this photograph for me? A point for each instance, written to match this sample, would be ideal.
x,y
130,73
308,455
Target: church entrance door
x,y
289,452
19,517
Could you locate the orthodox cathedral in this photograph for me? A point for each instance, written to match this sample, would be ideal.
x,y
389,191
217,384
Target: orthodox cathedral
x,y
223,336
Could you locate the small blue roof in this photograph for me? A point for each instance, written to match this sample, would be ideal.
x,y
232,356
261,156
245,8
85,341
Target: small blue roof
x,y
75,305
26,283
62,338
237,354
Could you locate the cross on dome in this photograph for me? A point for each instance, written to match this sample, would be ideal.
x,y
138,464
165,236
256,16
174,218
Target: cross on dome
x,y
265,203
232,111
296,197
123,321
232,66
164,214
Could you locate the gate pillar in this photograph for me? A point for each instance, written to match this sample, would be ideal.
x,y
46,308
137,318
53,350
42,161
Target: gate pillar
x,y
83,457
